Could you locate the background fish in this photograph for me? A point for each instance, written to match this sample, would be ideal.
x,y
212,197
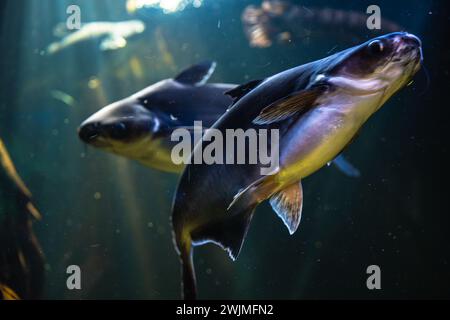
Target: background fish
x,y
279,21
140,126
114,35
318,108
167,6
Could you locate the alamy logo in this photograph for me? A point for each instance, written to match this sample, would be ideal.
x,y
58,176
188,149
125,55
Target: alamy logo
x,y
374,20
237,146
74,280
374,280
73,22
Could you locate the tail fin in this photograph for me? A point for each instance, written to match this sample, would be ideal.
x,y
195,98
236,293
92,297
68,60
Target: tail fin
x,y
228,233
187,270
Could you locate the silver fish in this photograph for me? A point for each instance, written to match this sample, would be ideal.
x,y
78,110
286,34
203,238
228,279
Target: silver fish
x,y
318,109
140,126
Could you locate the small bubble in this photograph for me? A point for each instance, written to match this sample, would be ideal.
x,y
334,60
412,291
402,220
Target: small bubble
x,y
117,231
97,196
208,271
150,224
93,83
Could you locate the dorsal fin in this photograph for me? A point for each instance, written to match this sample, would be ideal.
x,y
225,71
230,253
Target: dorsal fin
x,y
243,89
197,74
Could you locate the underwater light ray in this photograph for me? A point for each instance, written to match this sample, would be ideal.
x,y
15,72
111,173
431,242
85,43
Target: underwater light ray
x,y
133,215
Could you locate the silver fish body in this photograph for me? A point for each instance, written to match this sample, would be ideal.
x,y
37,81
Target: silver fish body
x,y
318,108
139,127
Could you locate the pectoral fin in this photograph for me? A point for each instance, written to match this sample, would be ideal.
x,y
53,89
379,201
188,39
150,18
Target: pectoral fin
x,y
346,167
288,204
197,74
297,102
256,191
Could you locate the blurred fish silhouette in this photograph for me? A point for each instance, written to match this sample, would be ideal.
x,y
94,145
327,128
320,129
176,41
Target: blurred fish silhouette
x,y
318,109
167,6
139,127
280,21
114,34
21,257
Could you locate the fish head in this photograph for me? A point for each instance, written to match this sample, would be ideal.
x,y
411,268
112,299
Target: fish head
x,y
124,127
383,64
137,26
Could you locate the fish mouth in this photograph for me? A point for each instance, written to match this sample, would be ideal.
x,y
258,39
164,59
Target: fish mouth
x,y
90,134
409,51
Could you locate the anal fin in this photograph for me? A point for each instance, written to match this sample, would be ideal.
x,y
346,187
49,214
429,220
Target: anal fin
x,y
288,204
229,232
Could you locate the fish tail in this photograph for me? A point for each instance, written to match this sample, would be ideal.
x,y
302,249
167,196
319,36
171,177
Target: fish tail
x,y
188,271
53,48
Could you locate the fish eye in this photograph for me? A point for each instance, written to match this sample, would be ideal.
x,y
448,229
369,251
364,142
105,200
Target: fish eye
x,y
118,130
375,46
